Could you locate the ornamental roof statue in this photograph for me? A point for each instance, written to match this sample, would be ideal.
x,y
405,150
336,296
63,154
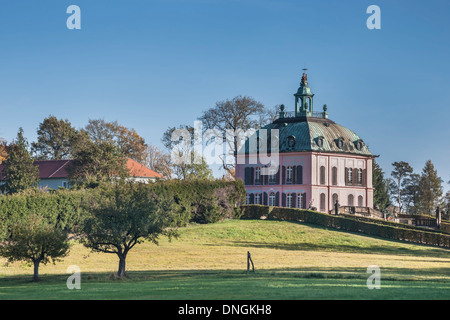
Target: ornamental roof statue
x,y
305,78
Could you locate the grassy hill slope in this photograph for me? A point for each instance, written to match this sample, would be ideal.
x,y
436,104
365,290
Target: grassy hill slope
x,y
292,261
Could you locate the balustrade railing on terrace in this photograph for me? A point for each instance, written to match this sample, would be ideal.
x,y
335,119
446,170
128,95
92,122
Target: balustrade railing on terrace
x,y
291,114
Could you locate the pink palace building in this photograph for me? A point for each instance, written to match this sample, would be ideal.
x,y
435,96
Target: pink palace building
x,y
320,161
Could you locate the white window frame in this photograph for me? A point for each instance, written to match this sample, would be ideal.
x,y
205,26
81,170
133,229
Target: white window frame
x,y
272,199
300,200
257,175
289,174
257,198
360,176
272,176
289,200
350,175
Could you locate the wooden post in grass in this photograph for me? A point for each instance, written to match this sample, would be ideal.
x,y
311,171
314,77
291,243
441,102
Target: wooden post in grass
x,y
249,260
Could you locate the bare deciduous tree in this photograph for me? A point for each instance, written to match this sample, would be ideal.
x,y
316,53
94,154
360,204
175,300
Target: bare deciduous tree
x,y
239,114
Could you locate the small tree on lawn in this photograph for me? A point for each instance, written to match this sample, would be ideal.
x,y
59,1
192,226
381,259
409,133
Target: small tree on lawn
x,y
33,239
123,215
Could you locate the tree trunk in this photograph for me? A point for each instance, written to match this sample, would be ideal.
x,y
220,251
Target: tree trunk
x,y
121,272
399,198
36,270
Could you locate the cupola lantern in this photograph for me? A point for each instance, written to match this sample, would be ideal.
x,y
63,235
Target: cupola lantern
x,y
304,98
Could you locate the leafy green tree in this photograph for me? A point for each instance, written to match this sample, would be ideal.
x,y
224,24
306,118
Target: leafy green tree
x,y
198,169
122,216
410,186
401,171
430,191
381,198
3,150
127,140
54,139
19,170
35,240
446,214
96,163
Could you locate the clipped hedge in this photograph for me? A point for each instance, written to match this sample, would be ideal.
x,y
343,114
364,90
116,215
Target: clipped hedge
x,y
63,208
200,201
349,224
204,201
256,211
394,224
445,226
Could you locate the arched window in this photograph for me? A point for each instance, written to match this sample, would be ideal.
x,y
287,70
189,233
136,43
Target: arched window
x,y
272,199
360,201
322,202
335,198
320,142
289,200
258,175
334,176
322,175
300,102
350,200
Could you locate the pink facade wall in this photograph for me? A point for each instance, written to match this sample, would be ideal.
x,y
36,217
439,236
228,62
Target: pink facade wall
x,y
311,185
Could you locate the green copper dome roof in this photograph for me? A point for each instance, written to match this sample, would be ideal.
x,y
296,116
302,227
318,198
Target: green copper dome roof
x,y
314,134
306,130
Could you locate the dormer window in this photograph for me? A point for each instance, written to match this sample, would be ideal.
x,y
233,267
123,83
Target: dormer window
x,y
359,144
291,141
340,143
319,142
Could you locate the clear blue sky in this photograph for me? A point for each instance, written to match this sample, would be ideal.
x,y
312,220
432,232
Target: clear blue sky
x,y
154,64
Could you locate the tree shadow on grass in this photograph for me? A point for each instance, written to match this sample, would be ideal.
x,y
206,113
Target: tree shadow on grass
x,y
179,276
343,248
280,283
405,248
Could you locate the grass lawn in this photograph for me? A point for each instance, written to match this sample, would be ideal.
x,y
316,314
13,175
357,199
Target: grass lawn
x,y
292,261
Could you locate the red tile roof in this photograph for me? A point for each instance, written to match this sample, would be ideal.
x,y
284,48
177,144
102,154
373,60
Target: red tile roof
x,y
138,170
52,169
57,169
